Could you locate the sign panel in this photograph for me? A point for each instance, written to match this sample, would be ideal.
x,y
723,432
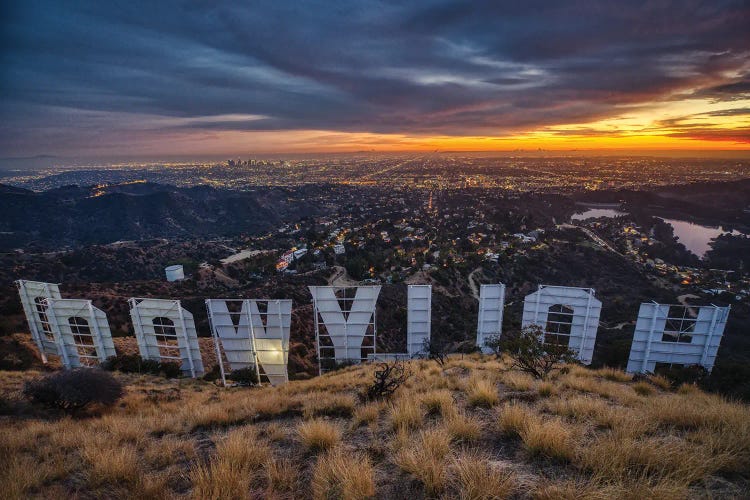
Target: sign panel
x,y
676,334
569,316
33,295
344,318
490,321
418,319
81,332
166,332
255,333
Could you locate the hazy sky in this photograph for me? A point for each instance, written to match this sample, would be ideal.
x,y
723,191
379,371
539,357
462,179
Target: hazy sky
x,y
163,77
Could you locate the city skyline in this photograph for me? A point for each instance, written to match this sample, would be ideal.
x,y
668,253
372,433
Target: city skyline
x,y
88,80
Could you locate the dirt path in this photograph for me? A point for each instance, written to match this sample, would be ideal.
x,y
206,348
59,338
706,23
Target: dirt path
x,y
341,278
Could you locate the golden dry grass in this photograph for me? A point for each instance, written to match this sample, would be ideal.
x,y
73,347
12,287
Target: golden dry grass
x,y
462,427
406,413
318,435
425,459
438,402
549,438
339,474
482,392
476,478
591,435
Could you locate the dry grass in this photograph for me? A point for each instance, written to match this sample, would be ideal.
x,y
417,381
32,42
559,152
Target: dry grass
x,y
111,464
659,457
614,375
332,405
339,474
643,388
406,413
513,418
438,402
318,435
462,427
425,459
546,389
591,435
482,392
475,477
518,381
282,476
367,414
549,438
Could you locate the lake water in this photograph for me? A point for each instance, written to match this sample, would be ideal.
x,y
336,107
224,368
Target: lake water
x,y
695,237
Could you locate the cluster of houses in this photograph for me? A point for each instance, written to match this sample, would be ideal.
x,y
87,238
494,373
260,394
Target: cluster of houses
x,y
254,333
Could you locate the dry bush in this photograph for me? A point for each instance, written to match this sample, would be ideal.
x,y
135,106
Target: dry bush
x,y
549,438
367,414
344,475
518,381
438,402
513,418
462,427
331,405
474,478
318,435
643,389
481,392
406,412
425,459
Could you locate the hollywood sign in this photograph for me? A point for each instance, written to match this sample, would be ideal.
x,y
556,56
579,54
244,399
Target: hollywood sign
x,y
254,334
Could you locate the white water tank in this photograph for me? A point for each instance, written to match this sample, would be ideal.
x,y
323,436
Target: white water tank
x,y
174,273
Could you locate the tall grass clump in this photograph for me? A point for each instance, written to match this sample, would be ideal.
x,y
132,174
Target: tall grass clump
x,y
339,474
318,435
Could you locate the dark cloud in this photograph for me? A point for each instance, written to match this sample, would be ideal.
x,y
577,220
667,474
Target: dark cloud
x,y
106,69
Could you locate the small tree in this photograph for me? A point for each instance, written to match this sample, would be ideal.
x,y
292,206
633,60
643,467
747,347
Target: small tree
x,y
388,378
529,352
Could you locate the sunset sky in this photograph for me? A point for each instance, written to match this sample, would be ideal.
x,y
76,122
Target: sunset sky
x,y
228,78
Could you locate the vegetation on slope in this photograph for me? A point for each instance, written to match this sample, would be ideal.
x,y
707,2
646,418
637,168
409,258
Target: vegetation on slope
x,y
471,429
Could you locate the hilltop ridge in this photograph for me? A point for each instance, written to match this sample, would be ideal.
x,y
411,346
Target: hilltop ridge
x,y
473,428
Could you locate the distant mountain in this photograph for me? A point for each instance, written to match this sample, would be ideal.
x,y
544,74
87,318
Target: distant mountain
x,y
73,215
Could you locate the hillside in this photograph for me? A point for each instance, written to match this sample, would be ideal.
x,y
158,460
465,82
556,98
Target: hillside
x,y
471,429
73,215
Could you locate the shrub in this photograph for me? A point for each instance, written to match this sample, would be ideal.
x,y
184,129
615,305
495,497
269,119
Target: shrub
x,y
678,375
244,376
73,390
388,378
529,353
134,363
